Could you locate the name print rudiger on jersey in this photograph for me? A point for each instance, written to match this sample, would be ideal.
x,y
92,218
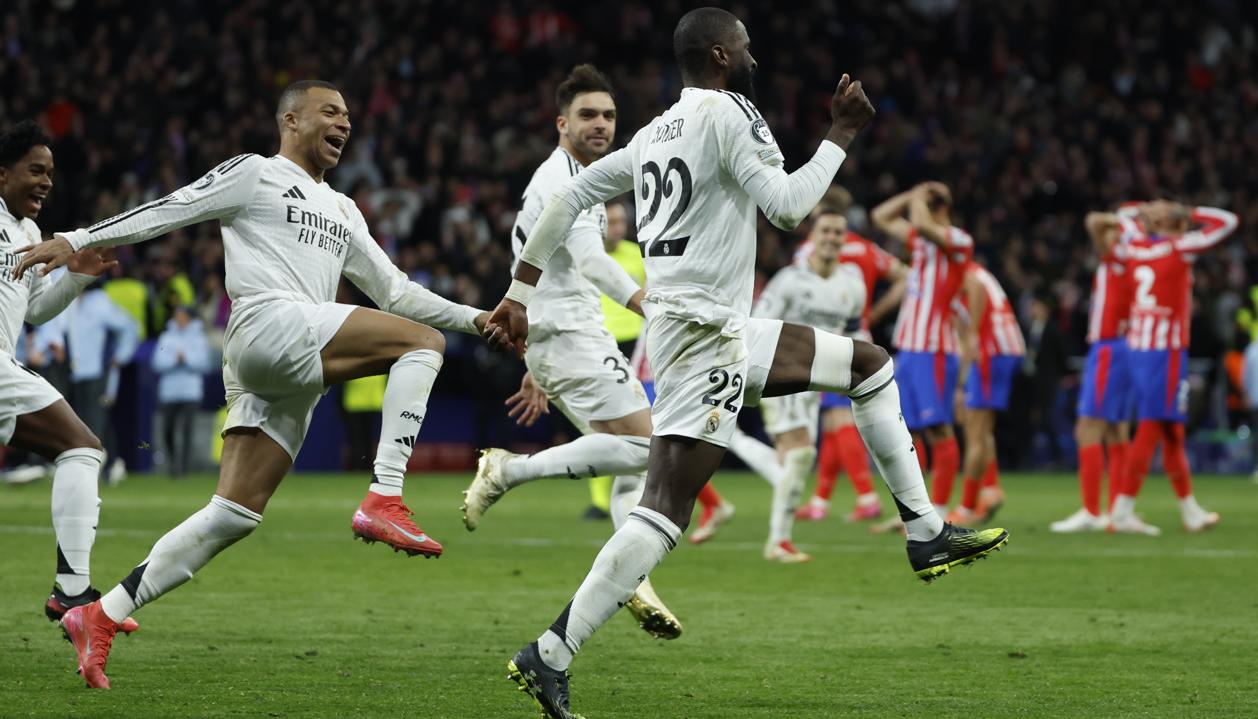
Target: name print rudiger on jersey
x,y
318,230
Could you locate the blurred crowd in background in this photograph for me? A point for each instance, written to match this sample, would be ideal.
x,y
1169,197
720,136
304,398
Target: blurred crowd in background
x,y
1033,111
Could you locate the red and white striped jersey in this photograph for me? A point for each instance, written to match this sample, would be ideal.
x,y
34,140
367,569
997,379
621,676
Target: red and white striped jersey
x,y
874,263
1161,277
998,330
1111,287
935,274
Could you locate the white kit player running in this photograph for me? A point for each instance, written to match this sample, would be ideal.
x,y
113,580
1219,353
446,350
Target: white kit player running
x,y
288,238
829,296
699,171
33,415
572,359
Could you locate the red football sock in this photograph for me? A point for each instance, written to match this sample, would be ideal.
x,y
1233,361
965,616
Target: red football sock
x,y
1140,456
943,472
1175,459
1117,460
852,449
991,475
709,497
969,493
829,464
919,448
1091,464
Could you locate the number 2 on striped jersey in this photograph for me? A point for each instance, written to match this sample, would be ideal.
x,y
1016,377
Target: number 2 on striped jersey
x,y
1144,283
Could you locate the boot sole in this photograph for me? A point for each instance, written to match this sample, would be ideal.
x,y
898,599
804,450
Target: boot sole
x,y
930,574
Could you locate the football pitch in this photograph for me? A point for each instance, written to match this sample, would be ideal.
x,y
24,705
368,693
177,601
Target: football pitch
x,y
298,620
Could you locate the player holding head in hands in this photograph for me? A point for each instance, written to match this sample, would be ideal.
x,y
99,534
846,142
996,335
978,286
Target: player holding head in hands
x,y
288,238
699,172
33,415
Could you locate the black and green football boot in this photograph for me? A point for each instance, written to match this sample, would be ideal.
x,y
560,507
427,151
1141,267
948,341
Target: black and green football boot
x,y
548,687
953,547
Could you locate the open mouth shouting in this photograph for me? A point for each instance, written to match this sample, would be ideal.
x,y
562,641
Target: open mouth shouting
x,y
335,143
35,202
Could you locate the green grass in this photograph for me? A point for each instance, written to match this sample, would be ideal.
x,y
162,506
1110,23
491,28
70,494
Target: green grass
x,y
300,621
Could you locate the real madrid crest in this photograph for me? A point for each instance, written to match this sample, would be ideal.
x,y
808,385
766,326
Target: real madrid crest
x,y
714,421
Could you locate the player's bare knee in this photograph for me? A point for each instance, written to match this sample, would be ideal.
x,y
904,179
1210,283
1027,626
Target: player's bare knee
x,y
867,358
427,338
417,337
89,441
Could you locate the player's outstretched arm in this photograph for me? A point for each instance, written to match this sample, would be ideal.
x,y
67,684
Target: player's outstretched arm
x,y
371,270
507,326
787,199
49,298
217,195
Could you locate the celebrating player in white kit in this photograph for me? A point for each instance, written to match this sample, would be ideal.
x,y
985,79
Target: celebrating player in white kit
x,y
699,171
572,359
288,238
33,415
828,296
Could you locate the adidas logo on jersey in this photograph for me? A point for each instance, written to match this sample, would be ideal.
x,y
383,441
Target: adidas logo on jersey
x,y
406,441
294,193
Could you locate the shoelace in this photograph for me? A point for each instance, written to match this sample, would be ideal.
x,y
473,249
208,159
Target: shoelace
x,y
401,514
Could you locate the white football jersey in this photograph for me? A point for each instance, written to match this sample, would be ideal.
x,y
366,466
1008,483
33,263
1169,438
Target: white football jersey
x,y
799,295
33,298
564,299
696,223
285,236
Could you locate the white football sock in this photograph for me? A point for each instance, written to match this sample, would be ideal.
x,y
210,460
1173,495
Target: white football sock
x,y
1188,506
762,458
179,554
1124,506
75,512
626,493
624,562
797,463
401,416
592,455
876,409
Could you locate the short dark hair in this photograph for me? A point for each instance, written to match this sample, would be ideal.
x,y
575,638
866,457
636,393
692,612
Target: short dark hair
x,y
294,92
826,211
18,140
583,78
697,32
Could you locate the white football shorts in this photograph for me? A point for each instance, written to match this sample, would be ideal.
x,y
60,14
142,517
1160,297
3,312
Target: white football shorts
x,y
271,366
704,376
22,391
586,376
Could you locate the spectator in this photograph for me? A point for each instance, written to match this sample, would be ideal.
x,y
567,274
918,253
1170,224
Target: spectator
x,y
182,357
102,337
1044,364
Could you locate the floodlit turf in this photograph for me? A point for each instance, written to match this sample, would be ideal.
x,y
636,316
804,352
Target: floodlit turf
x,y
300,621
